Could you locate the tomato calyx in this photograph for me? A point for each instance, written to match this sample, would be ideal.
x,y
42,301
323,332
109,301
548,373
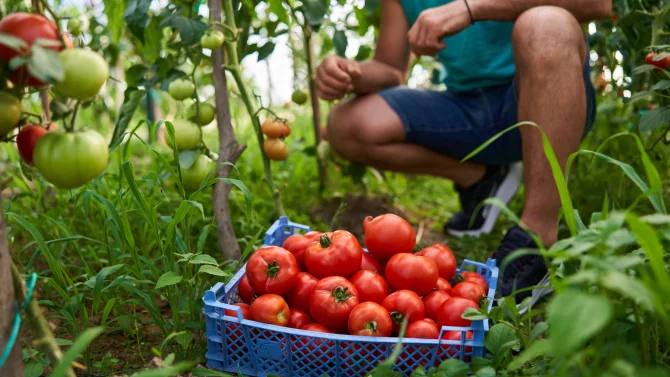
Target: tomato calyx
x,y
340,294
458,278
325,241
397,317
417,248
371,326
273,269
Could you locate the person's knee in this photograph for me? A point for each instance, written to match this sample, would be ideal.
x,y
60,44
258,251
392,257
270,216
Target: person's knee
x,y
340,129
546,37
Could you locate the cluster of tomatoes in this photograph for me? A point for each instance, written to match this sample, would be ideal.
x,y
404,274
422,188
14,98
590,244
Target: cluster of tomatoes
x,y
275,131
325,282
57,155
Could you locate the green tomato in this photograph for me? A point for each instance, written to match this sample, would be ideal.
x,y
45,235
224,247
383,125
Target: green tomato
x,y
195,175
71,159
181,89
10,112
187,135
212,40
299,97
85,73
325,151
74,26
205,115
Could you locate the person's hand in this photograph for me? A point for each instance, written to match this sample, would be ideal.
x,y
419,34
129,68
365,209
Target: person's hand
x,y
334,77
432,25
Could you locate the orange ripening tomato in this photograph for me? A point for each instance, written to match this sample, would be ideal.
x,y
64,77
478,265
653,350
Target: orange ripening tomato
x,y
271,309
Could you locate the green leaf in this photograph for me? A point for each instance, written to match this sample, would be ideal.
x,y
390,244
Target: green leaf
x,y
99,279
497,336
187,158
131,100
105,312
171,371
62,369
474,314
33,368
655,118
371,5
44,65
315,11
114,12
575,317
136,16
539,329
628,287
265,50
486,372
539,348
168,278
153,37
340,42
16,44
643,69
277,8
454,368
212,270
661,85
190,30
203,259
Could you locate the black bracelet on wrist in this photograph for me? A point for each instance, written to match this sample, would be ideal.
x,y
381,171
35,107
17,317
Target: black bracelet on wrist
x,y
472,19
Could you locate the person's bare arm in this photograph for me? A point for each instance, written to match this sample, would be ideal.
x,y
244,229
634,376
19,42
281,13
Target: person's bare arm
x,y
388,68
509,10
337,76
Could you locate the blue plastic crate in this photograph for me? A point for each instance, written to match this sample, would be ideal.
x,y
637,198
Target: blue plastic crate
x,y
258,349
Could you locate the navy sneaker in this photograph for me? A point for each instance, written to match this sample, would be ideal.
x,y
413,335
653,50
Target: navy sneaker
x,y
500,182
522,272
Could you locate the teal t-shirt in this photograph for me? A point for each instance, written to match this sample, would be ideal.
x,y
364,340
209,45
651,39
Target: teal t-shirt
x,y
479,56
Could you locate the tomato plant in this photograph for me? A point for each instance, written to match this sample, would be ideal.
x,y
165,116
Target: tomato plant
x,y
403,304
370,319
271,309
331,301
70,159
272,269
337,253
298,296
187,135
413,272
28,137
370,286
10,112
443,257
85,72
432,303
298,319
452,309
387,235
297,245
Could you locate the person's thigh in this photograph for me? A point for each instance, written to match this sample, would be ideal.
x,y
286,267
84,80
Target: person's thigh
x,y
453,124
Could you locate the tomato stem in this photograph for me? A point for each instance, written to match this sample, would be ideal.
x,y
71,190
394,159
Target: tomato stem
x,y
340,294
372,326
273,269
325,241
458,278
397,317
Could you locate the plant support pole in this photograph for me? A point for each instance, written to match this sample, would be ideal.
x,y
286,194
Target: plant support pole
x,y
229,149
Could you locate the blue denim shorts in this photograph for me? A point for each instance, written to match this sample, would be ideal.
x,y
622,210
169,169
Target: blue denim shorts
x,y
455,124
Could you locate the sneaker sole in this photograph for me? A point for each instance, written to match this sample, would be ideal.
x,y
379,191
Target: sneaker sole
x,y
537,294
505,193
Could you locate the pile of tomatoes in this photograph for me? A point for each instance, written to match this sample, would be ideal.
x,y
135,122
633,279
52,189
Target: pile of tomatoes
x,y
325,282
275,130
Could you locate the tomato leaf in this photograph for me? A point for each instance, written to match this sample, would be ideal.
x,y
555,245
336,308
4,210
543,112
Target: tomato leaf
x,y
371,5
539,329
44,65
41,42
486,372
473,314
167,279
574,318
279,10
265,50
315,11
498,335
212,270
16,44
131,100
454,368
187,158
136,17
644,69
114,11
190,30
661,85
153,36
33,368
539,348
203,259
340,42
655,118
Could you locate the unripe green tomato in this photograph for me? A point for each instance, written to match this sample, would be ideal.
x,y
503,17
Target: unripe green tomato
x,y
74,26
70,159
181,89
187,135
299,97
195,175
212,40
10,112
205,115
325,151
84,74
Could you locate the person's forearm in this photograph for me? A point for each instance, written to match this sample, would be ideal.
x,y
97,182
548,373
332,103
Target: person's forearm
x,y
509,10
375,76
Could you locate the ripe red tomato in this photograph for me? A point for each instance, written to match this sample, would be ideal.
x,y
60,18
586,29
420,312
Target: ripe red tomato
x,y
476,278
28,137
454,350
245,291
442,285
370,319
370,263
331,301
443,257
316,328
246,312
270,308
662,64
28,27
298,319
432,303
413,272
297,244
336,254
298,296
467,289
423,328
272,269
387,235
450,312
403,304
370,286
